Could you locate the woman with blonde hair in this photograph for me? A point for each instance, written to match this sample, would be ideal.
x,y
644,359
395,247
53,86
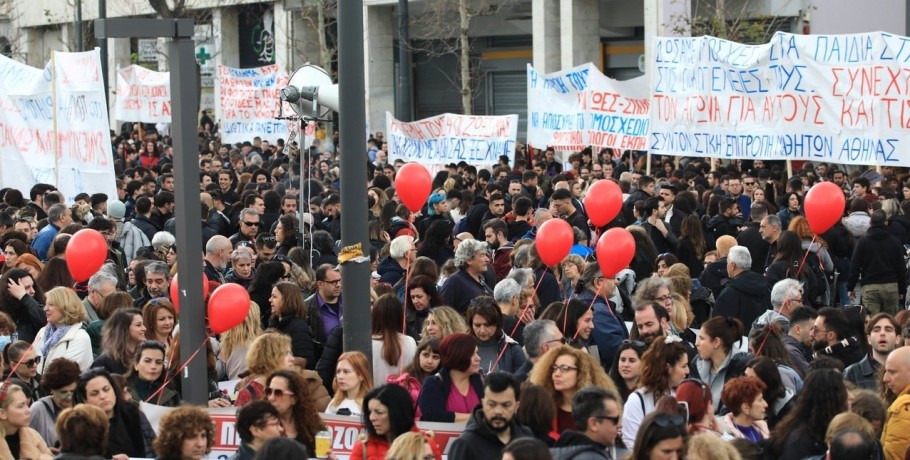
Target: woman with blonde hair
x,y
564,370
268,353
63,337
14,420
236,341
706,446
353,380
412,445
442,321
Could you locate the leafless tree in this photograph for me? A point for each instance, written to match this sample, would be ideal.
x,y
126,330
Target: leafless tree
x,y
735,21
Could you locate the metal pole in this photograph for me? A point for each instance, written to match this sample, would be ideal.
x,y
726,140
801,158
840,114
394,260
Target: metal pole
x,y
352,119
404,64
185,105
102,14
80,42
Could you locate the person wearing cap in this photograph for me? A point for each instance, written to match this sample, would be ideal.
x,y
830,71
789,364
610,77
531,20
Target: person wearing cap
x,y
99,204
130,237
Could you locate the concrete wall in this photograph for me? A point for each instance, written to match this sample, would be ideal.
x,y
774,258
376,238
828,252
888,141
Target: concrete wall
x,y
843,17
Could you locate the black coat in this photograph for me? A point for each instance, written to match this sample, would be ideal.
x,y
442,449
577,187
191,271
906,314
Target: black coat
x,y
301,337
29,317
757,246
479,441
879,258
745,297
147,225
331,350
715,277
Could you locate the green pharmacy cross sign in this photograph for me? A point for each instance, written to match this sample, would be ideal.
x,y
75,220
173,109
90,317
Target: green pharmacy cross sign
x,y
202,55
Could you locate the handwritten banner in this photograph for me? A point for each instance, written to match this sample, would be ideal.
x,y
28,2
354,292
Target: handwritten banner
x,y
248,103
75,158
345,431
450,138
579,107
143,95
836,98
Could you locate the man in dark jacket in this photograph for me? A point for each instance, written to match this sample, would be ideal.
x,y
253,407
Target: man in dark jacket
x,y
257,422
751,238
492,425
879,259
402,253
596,414
725,222
746,295
715,275
831,337
645,191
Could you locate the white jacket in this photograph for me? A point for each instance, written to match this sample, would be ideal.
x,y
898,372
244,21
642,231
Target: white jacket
x,y
75,346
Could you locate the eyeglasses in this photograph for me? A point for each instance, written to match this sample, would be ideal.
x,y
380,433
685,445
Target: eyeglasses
x,y
561,340
277,393
62,394
664,298
32,362
635,343
250,224
749,183
614,418
332,282
815,329
562,368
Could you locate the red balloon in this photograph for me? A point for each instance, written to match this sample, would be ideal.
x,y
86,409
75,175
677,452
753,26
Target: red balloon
x,y
824,206
413,184
554,241
615,251
86,252
175,291
228,307
603,202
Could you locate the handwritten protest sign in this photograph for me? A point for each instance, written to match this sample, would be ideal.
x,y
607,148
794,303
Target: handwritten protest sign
x,y
143,95
77,157
450,138
248,104
837,98
579,107
345,431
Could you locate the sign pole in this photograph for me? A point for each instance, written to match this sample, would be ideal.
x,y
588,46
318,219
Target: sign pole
x,y
54,105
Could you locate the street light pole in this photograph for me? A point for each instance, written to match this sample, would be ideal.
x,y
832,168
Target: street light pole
x,y
404,63
80,42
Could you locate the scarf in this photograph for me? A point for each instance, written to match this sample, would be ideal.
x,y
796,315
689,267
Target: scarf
x,y
52,336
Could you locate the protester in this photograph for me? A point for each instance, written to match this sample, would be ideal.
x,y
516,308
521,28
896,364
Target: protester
x,y
131,434
387,414
63,337
257,422
83,432
491,425
458,382
288,392
353,380
185,433
60,378
19,440
663,367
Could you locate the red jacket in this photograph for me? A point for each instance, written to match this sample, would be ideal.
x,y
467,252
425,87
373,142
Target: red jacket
x,y
377,448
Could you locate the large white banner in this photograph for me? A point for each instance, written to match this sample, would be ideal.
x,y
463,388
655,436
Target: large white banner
x,y
247,103
143,95
54,126
580,107
451,138
837,98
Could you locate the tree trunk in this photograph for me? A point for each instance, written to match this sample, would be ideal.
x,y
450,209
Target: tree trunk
x,y
467,96
325,58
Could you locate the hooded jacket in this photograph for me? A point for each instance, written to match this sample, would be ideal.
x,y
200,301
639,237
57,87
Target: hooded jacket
x,y
715,276
390,271
733,366
745,297
479,441
513,358
573,445
879,258
609,328
848,351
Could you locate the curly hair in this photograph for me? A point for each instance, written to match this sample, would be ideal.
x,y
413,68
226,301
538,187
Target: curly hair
x,y
178,425
590,372
266,352
60,373
741,390
449,321
646,291
304,413
654,375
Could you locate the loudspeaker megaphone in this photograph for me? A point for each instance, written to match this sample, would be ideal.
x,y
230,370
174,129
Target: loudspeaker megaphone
x,y
310,92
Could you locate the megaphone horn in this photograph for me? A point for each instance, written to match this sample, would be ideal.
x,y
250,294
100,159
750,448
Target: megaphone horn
x,y
311,84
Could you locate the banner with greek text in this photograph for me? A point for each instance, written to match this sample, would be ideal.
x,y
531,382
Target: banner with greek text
x,y
835,98
248,103
580,107
345,431
143,95
451,138
74,154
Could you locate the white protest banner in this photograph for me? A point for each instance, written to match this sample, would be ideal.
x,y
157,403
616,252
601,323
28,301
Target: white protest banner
x,y
580,107
78,156
248,105
143,95
450,138
345,431
836,98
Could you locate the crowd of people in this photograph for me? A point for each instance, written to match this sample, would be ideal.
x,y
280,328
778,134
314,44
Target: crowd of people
x,y
734,333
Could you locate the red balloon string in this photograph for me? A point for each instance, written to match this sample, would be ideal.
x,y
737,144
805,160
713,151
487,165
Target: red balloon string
x,y
404,306
176,373
517,323
805,256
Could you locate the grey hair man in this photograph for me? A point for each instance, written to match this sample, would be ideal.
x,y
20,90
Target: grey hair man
x,y
249,228
402,253
507,295
539,337
746,295
471,260
770,228
100,285
217,256
157,282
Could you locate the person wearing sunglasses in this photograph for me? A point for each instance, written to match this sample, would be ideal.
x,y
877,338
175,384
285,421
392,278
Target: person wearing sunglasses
x,y
662,437
60,379
23,362
597,413
249,228
287,391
